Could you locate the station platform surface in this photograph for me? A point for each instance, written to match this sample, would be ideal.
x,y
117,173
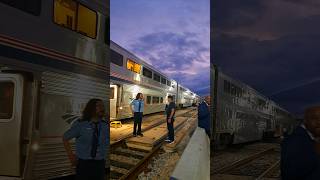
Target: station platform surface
x,y
148,121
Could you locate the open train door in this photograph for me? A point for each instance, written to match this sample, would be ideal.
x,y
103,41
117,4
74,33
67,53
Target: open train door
x,y
113,101
11,94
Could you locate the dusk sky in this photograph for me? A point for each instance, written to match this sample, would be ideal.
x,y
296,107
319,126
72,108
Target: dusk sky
x,y
171,35
272,45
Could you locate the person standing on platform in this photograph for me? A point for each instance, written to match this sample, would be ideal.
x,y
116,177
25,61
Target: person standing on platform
x,y
170,111
137,106
91,133
204,115
300,151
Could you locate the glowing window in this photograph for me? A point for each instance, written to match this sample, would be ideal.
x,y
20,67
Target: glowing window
x,y
133,66
75,16
65,12
6,100
87,21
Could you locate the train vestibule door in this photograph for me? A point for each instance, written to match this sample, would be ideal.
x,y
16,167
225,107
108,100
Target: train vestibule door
x,y
11,95
113,101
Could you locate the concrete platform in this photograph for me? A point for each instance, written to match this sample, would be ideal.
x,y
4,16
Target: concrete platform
x,y
149,121
153,136
194,163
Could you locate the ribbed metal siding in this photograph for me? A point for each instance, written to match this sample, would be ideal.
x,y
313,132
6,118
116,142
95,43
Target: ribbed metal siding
x,y
74,85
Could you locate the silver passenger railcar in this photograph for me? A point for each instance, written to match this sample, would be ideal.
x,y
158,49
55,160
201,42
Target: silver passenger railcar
x,y
53,59
130,75
241,114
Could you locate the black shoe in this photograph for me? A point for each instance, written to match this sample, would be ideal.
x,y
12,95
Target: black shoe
x,y
140,134
134,135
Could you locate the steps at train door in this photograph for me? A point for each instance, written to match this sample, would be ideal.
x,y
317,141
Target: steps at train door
x,y
153,136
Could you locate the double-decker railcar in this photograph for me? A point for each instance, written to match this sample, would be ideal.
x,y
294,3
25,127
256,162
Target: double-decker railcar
x,y
241,114
53,59
131,75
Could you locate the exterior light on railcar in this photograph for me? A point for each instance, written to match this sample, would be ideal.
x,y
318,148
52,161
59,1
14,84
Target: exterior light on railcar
x,y
120,108
35,146
137,77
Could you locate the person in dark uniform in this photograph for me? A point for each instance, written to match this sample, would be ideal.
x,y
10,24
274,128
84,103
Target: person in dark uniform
x,y
300,151
170,111
137,106
91,133
204,116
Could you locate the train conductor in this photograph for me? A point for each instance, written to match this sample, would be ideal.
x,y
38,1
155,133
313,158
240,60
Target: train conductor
x,y
137,106
91,134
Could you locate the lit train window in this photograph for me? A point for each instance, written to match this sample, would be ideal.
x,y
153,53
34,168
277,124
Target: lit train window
x,y
133,66
6,100
65,12
156,77
163,80
168,83
29,6
148,99
146,72
111,95
116,58
155,100
87,21
75,16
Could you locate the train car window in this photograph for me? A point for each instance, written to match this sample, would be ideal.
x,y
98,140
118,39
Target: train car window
x,y
65,12
75,16
168,83
111,95
133,66
87,21
148,99
146,72
155,100
116,58
6,100
161,100
30,6
156,77
163,80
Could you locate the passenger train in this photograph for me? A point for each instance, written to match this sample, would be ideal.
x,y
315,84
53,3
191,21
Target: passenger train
x,y
53,59
130,75
241,114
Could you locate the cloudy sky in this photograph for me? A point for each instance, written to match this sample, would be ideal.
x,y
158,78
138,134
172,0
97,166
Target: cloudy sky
x,y
272,45
172,35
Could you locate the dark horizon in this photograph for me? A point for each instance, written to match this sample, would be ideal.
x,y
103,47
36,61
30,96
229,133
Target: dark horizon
x,y
270,45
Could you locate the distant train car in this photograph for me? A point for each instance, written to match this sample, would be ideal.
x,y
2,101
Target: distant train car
x,y
53,59
240,113
131,75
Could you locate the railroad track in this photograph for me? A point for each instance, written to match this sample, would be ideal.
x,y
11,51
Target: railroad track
x,y
260,165
128,163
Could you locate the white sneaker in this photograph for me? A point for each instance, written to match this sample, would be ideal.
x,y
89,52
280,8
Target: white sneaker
x,y
167,140
171,142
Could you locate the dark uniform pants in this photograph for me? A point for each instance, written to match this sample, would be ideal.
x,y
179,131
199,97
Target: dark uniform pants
x,y
90,170
137,121
170,129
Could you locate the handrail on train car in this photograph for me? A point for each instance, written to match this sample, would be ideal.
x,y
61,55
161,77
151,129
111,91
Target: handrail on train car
x,y
194,163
